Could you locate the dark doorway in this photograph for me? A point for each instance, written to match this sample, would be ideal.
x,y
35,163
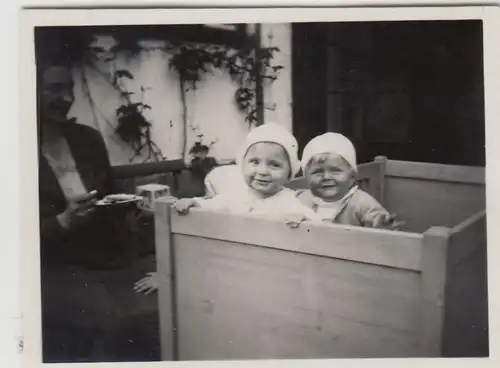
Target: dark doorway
x,y
406,90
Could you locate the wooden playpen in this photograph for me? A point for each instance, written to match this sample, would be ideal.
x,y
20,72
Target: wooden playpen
x,y
243,287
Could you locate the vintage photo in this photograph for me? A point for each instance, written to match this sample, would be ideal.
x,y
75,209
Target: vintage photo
x,y
261,190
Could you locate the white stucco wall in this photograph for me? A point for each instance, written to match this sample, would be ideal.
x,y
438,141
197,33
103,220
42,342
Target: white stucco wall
x,y
278,95
211,109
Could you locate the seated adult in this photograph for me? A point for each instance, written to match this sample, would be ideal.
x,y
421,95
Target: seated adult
x,y
88,257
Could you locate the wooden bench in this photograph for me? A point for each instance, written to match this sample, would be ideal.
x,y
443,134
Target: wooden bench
x,y
243,287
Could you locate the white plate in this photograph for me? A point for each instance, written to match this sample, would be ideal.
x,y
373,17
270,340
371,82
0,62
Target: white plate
x,y
114,199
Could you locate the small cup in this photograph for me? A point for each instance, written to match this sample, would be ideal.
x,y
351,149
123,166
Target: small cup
x,y
150,193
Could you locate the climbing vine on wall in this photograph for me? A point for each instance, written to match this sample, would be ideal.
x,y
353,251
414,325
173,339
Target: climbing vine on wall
x,y
244,65
247,65
132,126
192,61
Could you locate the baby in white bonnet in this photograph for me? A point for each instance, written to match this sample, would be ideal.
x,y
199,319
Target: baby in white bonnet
x,y
268,161
329,165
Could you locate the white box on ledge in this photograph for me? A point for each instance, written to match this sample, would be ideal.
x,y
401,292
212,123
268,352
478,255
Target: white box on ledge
x,y
150,193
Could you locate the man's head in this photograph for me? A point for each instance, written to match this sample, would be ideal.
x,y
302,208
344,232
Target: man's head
x,y
56,93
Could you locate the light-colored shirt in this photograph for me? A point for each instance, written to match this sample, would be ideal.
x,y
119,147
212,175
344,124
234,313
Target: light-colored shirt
x,y
60,159
357,208
283,203
328,211
225,179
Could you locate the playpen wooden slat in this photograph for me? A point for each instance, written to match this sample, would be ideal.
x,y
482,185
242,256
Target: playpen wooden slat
x,y
369,179
434,260
164,262
466,317
242,302
436,172
423,203
471,233
391,249
379,182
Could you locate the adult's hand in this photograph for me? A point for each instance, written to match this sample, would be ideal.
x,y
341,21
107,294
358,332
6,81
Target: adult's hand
x,y
78,211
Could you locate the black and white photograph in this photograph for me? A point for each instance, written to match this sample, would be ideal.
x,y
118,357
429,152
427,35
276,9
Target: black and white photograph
x,y
231,188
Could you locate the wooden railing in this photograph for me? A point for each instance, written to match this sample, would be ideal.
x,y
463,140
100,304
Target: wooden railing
x,y
172,170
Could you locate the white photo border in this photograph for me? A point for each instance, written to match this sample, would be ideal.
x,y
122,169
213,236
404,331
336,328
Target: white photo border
x,y
30,268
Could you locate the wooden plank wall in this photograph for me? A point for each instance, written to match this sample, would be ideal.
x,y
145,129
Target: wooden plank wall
x,y
466,317
249,288
237,301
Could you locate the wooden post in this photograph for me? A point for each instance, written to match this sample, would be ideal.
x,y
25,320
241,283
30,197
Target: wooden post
x,y
382,161
165,261
466,318
259,90
434,275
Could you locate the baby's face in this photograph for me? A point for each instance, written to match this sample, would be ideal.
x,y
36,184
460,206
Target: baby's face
x,y
329,176
266,168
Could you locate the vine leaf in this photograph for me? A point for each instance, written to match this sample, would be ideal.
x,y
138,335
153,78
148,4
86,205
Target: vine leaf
x,y
123,73
128,109
252,116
